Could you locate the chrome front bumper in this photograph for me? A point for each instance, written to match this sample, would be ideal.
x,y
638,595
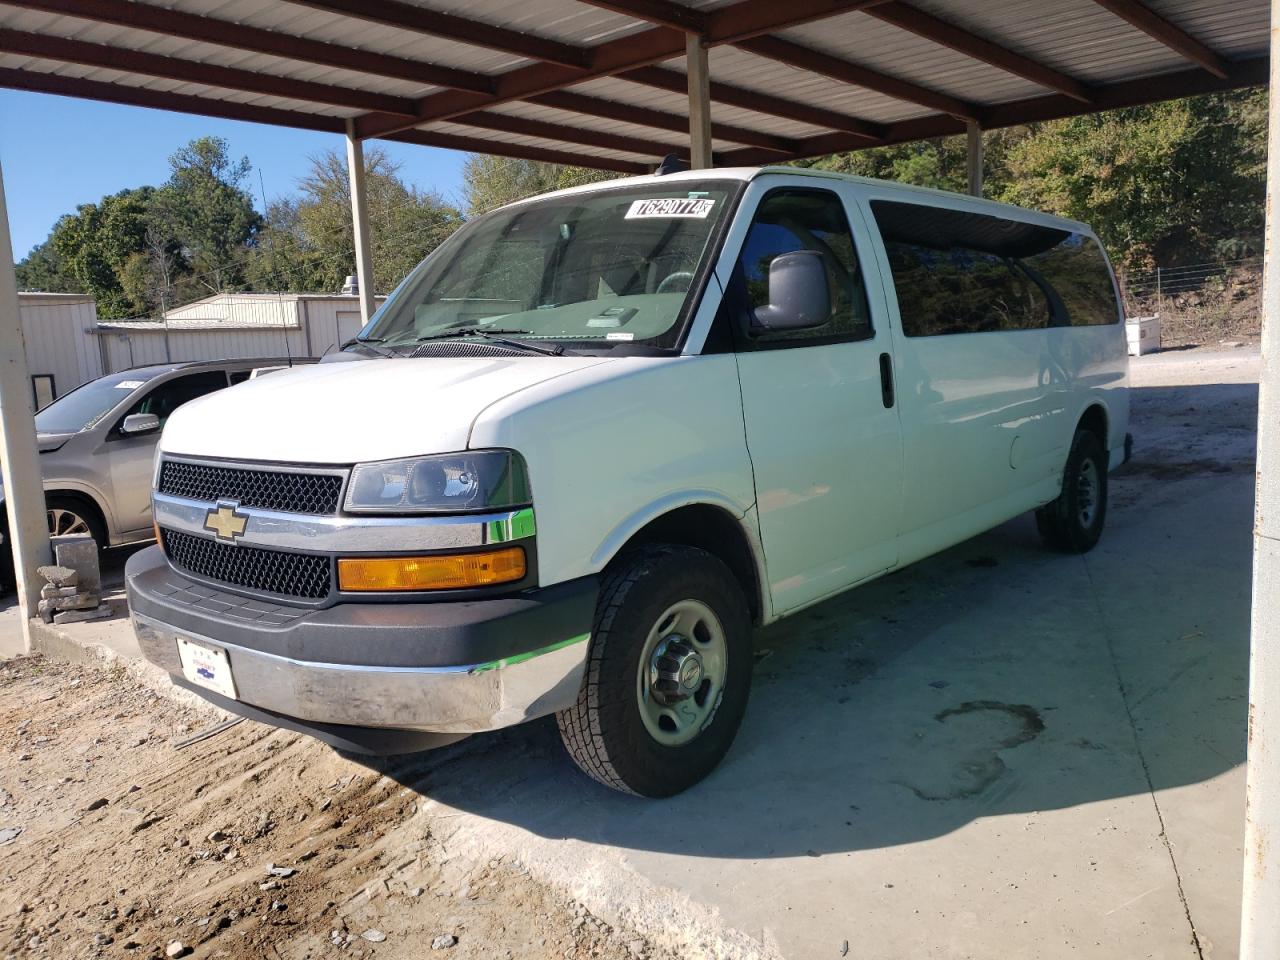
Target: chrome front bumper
x,y
459,699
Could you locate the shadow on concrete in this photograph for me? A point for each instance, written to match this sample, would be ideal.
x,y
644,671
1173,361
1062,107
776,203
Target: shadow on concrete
x,y
993,678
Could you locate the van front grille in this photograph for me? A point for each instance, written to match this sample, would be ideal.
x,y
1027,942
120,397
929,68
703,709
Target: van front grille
x,y
303,575
287,491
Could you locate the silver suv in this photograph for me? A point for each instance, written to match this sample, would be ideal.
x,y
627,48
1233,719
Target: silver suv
x,y
97,444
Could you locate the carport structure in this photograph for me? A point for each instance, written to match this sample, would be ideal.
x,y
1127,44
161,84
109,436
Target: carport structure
x,y
615,84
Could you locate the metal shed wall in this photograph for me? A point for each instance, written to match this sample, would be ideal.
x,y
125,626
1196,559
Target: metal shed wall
x,y
57,329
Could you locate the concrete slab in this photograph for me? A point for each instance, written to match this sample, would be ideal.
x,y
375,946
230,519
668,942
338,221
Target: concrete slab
x,y
998,752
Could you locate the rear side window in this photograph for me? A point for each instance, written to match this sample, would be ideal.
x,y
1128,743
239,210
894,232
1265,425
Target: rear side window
x,y
788,220
959,272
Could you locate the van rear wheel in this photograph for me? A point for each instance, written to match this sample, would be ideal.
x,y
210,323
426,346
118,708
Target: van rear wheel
x,y
1073,523
668,673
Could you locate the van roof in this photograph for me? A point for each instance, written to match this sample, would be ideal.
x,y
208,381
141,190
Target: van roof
x,y
745,174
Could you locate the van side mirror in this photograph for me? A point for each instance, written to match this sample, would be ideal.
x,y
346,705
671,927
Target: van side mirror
x,y
136,424
798,294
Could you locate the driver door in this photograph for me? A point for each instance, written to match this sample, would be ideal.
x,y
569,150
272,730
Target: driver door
x,y
822,428
131,458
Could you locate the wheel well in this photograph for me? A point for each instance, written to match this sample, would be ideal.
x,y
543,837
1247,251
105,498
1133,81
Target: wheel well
x,y
711,529
85,501
1095,421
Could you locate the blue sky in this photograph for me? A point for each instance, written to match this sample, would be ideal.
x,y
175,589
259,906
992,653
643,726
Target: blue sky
x,y
58,152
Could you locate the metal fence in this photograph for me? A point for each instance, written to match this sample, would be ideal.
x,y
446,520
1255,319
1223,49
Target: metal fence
x,y
1148,285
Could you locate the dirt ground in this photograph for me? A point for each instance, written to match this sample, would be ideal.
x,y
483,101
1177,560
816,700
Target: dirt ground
x,y
115,843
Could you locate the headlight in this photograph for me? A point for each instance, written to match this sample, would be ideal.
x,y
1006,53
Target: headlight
x,y
452,483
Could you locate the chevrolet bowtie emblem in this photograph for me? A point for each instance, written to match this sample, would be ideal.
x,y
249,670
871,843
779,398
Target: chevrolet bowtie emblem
x,y
224,522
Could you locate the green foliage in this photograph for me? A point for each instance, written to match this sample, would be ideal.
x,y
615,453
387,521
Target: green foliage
x,y
205,209
308,243
494,181
1170,183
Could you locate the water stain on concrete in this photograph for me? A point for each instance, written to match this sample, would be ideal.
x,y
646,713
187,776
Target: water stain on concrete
x,y
960,758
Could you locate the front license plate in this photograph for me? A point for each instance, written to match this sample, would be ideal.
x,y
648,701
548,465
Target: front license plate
x,y
207,666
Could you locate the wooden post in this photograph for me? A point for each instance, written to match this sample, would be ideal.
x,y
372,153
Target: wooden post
x,y
360,223
974,136
699,74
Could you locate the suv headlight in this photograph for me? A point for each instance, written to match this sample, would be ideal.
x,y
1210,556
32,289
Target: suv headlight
x,y
451,483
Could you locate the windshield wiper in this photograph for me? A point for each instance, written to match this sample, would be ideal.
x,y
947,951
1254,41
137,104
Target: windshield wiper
x,y
371,344
496,336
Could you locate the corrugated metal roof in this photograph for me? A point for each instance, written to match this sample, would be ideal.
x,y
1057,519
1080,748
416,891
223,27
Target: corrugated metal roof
x,y
804,105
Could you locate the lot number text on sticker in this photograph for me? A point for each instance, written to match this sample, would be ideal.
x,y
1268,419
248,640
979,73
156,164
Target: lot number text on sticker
x,y
651,209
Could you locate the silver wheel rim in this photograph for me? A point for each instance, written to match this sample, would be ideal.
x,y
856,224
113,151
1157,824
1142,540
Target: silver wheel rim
x,y
681,673
1087,493
63,523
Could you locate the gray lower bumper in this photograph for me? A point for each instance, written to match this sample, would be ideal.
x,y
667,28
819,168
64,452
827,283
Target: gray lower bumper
x,y
376,665
462,699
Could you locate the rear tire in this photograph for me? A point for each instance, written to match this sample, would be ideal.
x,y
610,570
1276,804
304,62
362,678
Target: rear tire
x,y
1073,523
668,673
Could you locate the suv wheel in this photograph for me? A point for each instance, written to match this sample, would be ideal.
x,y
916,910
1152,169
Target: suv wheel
x,y
668,673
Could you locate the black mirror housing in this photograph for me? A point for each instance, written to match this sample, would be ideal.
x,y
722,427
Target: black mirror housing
x,y
798,294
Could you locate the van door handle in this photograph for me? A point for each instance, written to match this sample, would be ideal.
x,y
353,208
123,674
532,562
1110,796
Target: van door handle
x,y
886,380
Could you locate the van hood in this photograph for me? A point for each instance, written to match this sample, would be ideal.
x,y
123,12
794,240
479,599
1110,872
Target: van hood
x,y
340,413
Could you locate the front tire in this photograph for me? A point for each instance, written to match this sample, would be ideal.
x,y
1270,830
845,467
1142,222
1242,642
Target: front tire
x,y
1073,523
668,673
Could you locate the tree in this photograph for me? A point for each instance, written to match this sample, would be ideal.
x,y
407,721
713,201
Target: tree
x,y
204,209
1173,182
93,244
492,181
44,270
309,244
1169,183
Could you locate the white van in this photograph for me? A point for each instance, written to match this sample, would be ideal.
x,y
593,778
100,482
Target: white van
x,y
598,435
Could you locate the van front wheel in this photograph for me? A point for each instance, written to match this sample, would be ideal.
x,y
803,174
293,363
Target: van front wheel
x,y
1073,522
668,673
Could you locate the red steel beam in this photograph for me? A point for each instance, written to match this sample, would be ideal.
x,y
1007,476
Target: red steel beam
x,y
153,65
161,100
508,123
436,23
663,13
1171,35
145,16
949,35
35,82
675,82
451,141
658,119
726,25
814,61
1115,96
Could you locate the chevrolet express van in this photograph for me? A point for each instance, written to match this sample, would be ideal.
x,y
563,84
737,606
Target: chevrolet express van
x,y
599,434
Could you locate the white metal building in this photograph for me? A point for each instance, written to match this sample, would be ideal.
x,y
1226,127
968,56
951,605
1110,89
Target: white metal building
x,y
233,326
62,352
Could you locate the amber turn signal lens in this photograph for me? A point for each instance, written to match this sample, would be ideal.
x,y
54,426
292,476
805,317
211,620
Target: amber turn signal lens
x,y
447,572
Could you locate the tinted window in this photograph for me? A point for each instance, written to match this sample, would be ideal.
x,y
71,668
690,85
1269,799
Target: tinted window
x,y
958,272
791,220
169,396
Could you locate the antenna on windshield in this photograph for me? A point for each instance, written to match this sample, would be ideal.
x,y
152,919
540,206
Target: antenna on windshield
x,y
271,248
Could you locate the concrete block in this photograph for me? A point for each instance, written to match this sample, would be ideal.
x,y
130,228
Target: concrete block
x,y
59,576
80,553
75,616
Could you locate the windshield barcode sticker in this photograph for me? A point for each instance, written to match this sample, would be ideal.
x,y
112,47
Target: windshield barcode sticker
x,y
650,209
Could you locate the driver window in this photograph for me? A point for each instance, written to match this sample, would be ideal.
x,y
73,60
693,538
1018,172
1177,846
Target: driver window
x,y
803,219
172,394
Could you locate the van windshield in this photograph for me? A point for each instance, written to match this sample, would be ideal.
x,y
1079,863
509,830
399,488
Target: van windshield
x,y
589,269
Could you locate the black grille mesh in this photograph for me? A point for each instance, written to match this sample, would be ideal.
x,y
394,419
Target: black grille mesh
x,y
271,571
315,493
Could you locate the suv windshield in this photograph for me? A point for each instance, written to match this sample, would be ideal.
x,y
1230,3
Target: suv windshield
x,y
596,268
86,405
